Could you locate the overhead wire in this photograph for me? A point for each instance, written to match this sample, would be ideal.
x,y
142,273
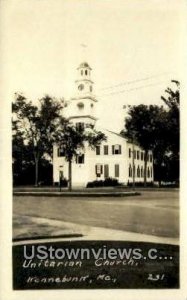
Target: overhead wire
x,y
129,90
134,81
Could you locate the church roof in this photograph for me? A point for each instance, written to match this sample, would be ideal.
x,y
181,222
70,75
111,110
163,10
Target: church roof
x,y
84,65
118,134
106,131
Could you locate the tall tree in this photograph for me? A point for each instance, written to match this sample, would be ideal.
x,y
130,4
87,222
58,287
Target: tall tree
x,y
172,100
73,140
36,125
156,128
143,126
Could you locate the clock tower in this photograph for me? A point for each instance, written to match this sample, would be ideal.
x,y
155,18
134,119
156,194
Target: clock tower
x,y
82,107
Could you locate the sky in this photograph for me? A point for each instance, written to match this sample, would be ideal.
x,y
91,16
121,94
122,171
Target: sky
x,y
134,48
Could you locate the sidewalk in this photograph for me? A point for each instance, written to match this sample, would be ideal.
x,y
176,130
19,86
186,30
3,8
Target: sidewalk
x,y
28,229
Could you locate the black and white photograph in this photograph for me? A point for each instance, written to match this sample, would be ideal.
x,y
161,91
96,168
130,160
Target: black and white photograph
x,y
92,90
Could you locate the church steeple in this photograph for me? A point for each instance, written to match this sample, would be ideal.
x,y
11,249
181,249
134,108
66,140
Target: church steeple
x,y
84,82
82,107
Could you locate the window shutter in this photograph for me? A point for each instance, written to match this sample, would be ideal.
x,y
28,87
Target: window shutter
x,y
101,169
98,150
119,149
106,171
116,170
98,169
105,149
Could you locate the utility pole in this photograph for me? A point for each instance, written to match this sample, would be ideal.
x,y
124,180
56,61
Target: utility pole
x,y
133,164
60,177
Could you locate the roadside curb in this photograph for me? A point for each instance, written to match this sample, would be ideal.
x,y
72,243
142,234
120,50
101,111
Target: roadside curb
x,y
78,194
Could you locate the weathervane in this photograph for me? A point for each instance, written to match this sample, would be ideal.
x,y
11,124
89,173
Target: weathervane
x,y
83,51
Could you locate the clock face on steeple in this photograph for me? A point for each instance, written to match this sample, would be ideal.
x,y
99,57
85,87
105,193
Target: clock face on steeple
x,y
81,87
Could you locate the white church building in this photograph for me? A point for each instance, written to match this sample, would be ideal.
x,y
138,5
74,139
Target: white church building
x,y
113,158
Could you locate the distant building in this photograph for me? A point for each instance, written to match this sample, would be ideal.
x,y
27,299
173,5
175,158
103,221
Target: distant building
x,y
114,158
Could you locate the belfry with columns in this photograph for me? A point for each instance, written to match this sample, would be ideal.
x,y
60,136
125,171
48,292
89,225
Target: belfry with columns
x,y
82,105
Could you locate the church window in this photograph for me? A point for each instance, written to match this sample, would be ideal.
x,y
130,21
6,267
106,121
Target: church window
x,y
98,150
91,88
134,154
151,157
130,171
116,149
105,149
86,72
151,172
81,87
129,152
61,152
138,171
98,170
80,159
80,105
106,171
138,154
116,170
148,172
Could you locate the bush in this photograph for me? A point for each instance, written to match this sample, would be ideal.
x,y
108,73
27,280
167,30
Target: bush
x,y
111,182
103,183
